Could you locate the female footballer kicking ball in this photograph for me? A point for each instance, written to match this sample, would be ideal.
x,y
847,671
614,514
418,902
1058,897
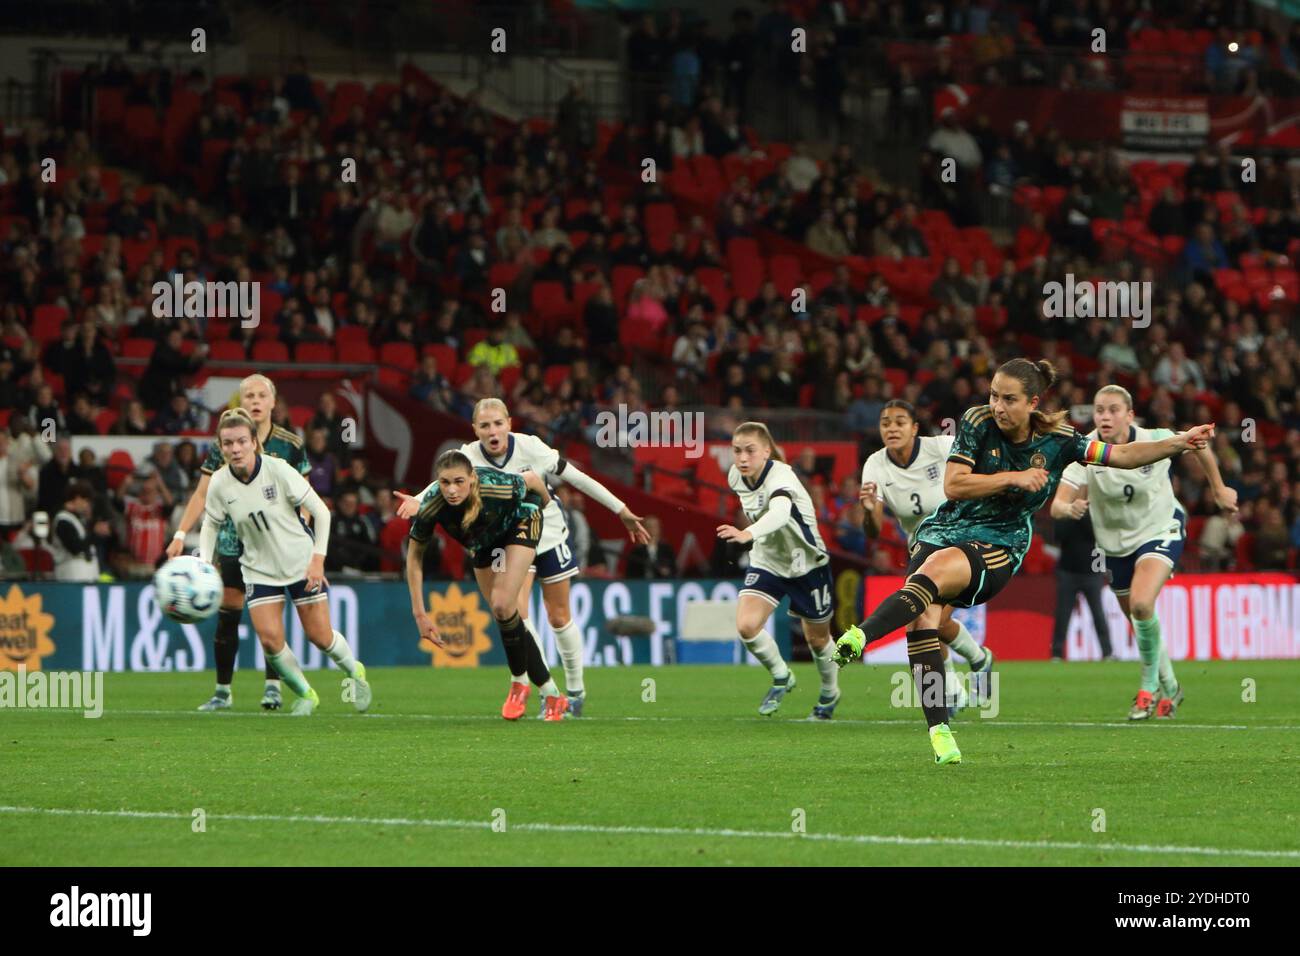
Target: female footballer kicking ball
x,y
907,476
500,448
1004,465
1140,527
497,516
788,558
257,397
260,496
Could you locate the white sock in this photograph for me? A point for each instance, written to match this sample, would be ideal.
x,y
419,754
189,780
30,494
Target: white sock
x,y
273,682
764,648
286,662
826,667
965,645
341,654
223,689
952,686
549,689
569,641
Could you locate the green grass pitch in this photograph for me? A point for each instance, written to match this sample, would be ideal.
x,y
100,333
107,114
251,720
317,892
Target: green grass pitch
x,y
694,777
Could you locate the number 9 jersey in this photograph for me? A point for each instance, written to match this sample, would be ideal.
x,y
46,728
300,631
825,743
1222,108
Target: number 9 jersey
x,y
1129,506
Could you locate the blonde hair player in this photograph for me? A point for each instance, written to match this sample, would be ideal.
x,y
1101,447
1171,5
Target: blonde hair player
x,y
257,398
1140,526
789,559
1004,465
907,476
260,496
497,446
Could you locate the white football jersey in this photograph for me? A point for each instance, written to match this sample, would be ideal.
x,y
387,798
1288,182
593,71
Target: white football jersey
x,y
1129,506
529,453
915,491
277,545
796,548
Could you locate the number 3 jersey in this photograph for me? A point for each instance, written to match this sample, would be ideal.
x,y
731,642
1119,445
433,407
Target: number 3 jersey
x,y
797,547
914,490
1129,506
277,546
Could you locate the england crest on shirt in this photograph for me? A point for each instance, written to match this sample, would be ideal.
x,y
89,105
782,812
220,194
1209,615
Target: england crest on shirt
x,y
932,472
268,492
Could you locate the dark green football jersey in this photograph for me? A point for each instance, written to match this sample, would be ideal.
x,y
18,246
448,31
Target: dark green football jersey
x,y
281,443
506,502
1006,518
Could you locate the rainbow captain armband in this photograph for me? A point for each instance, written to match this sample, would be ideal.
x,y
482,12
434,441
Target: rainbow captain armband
x,y
1098,453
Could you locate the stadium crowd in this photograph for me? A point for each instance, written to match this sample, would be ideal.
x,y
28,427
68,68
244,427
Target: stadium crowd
x,y
455,203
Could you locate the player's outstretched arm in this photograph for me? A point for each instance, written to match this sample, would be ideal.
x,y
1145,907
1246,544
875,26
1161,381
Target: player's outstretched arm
x,y
589,486
1224,497
1135,454
193,508
415,584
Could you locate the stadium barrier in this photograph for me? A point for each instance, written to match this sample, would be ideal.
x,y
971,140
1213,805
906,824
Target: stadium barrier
x,y
119,627
1202,617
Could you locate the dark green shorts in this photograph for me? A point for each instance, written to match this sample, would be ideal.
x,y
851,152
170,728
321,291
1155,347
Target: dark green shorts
x,y
991,568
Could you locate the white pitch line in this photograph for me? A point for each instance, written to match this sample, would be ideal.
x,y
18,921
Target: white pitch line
x,y
974,722
851,838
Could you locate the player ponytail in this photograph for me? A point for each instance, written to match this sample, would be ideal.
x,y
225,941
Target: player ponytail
x,y
238,418
452,458
1037,378
765,436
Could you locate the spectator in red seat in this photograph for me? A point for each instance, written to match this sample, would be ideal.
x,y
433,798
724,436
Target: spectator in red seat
x,y
167,367
1167,218
324,466
472,263
187,223
1269,549
1204,253
549,234
81,419
646,315
691,352
952,287
234,241
44,407
178,416
133,420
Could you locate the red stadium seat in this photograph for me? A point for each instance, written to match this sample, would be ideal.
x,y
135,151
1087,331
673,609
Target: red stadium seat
x,y
138,348
227,350
554,375
315,353
266,350
47,322
398,354
118,468
445,356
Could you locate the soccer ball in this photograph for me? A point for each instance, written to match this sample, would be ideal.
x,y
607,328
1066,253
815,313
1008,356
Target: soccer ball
x,y
187,589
